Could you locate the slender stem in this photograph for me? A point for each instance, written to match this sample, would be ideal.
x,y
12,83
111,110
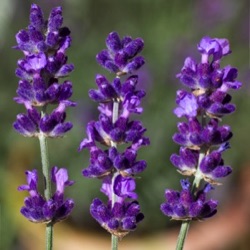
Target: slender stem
x,y
114,242
49,236
45,165
196,183
47,186
182,235
114,239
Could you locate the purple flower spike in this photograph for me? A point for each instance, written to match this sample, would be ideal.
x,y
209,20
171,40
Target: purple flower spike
x,y
201,137
117,101
184,206
39,210
207,98
44,45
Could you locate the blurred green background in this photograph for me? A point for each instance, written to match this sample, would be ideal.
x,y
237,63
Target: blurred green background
x,y
171,30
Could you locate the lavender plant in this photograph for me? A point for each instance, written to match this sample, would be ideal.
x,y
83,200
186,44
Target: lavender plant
x,y
116,167
201,138
44,44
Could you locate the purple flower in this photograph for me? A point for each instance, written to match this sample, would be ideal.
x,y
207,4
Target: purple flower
x,y
126,162
39,210
117,101
187,160
120,57
215,135
123,130
213,46
207,102
123,188
100,163
50,125
201,137
103,162
125,92
212,167
188,105
186,206
208,81
189,134
120,219
124,215
44,44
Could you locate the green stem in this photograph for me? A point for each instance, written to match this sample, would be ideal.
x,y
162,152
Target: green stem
x,y
49,236
114,239
196,183
47,185
182,235
45,165
114,242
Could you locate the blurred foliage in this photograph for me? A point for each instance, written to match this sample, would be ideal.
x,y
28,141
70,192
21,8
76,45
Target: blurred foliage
x,y
171,30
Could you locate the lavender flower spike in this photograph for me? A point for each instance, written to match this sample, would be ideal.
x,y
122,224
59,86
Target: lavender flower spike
x,y
118,100
39,210
201,138
44,44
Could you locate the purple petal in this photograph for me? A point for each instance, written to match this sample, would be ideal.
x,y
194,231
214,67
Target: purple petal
x,y
113,42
